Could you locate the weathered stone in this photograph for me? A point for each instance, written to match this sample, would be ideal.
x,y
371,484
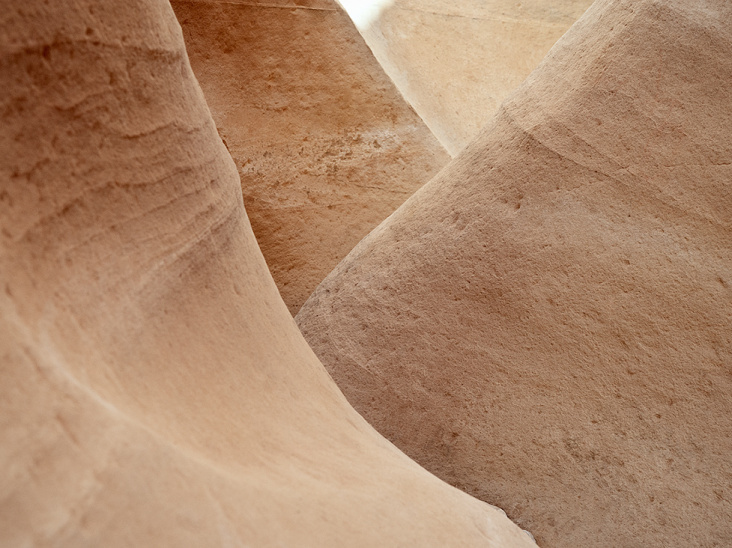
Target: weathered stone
x,y
154,390
455,61
325,145
547,324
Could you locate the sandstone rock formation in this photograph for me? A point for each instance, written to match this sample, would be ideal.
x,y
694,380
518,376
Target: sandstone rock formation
x,y
548,323
154,390
456,61
325,145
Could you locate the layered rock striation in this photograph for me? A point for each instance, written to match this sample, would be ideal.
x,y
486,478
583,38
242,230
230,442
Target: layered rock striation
x,y
154,389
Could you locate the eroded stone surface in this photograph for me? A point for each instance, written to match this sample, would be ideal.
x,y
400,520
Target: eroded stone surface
x,y
325,145
154,390
455,61
547,323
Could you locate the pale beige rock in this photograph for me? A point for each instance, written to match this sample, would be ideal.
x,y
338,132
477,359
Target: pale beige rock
x,y
455,61
325,145
548,323
154,390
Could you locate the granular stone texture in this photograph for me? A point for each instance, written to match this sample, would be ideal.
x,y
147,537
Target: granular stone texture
x,y
325,145
154,389
547,324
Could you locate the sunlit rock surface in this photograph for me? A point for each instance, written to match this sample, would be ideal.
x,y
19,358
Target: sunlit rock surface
x,y
456,60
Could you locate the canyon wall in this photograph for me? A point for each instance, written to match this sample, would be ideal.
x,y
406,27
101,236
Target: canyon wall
x,y
325,145
154,389
547,324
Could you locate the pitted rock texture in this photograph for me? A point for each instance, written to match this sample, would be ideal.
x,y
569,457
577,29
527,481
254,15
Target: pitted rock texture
x,y
325,145
154,389
547,324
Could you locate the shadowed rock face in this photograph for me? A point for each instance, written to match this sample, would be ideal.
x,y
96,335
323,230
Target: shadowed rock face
x,y
456,61
325,145
547,324
154,390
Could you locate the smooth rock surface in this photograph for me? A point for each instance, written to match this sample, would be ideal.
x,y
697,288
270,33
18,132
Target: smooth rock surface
x,y
455,61
547,324
325,145
154,390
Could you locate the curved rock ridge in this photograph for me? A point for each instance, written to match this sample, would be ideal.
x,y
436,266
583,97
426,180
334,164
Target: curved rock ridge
x,y
547,324
325,145
455,61
154,390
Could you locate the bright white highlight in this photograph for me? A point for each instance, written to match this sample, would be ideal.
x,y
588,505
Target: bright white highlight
x,y
364,12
